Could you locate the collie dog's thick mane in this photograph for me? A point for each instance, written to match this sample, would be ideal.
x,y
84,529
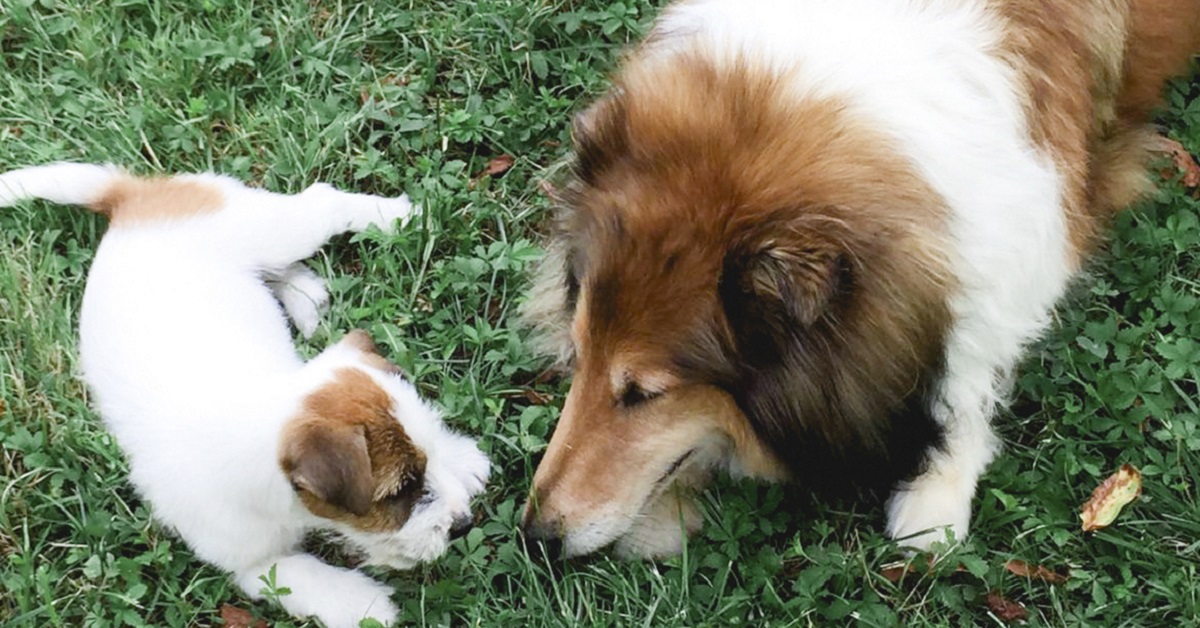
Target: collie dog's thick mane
x,y
824,307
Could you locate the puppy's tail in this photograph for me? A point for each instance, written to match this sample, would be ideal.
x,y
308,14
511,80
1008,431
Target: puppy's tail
x,y
63,183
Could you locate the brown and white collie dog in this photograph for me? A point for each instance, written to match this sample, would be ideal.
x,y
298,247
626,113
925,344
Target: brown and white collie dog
x,y
808,240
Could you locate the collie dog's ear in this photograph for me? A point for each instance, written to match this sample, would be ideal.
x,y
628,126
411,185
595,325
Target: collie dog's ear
x,y
599,135
330,461
784,283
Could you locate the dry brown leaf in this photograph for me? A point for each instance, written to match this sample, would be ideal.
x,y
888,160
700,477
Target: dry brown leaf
x,y
394,80
1110,497
235,617
537,398
896,573
497,166
1183,160
531,396
1035,572
546,376
1005,609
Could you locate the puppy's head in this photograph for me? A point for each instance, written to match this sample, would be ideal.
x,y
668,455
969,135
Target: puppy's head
x,y
369,456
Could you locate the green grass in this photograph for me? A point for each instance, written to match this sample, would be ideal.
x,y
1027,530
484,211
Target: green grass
x,y
418,96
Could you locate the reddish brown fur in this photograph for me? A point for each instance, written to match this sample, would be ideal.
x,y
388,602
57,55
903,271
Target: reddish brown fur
x,y
1093,70
724,242
1053,61
349,458
575,479
675,200
1163,36
132,200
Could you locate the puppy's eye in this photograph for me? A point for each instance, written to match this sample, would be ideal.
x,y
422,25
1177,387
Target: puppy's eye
x,y
634,395
407,489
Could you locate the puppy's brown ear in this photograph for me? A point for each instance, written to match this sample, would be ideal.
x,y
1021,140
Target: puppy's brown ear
x,y
361,340
330,461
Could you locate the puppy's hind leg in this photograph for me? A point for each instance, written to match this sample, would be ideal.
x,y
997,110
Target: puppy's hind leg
x,y
303,294
340,598
280,230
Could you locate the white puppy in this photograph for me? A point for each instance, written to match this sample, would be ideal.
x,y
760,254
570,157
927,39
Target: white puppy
x,y
238,444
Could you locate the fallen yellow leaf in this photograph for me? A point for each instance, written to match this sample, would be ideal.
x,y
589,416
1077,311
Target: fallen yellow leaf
x,y
1110,497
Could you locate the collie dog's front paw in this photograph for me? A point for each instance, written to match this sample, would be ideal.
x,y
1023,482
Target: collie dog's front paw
x,y
921,511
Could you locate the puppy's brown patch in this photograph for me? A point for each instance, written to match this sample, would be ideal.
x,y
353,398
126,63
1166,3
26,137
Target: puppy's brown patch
x,y
349,458
132,200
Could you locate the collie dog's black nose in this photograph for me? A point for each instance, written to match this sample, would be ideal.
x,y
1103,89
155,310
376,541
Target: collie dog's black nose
x,y
543,543
461,526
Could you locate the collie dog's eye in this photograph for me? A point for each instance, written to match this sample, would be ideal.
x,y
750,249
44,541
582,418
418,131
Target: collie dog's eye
x,y
634,395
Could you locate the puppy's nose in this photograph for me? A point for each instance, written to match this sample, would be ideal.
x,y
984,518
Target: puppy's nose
x,y
542,542
461,526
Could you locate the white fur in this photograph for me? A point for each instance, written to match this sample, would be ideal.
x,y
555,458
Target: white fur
x,y
665,507
192,367
927,72
303,296
663,525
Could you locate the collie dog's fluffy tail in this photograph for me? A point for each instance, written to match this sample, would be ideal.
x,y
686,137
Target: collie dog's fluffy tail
x,y
63,183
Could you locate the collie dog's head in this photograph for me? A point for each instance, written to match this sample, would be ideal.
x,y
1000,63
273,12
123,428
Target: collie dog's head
x,y
743,278
369,456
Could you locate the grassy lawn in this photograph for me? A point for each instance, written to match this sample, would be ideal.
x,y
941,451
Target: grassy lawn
x,y
420,96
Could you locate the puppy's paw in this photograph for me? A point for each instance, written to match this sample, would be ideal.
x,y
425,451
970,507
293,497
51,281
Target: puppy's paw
x,y
920,512
304,297
390,211
340,598
356,212
348,603
471,466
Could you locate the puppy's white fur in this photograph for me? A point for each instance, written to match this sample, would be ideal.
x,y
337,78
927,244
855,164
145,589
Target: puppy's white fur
x,y
194,371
